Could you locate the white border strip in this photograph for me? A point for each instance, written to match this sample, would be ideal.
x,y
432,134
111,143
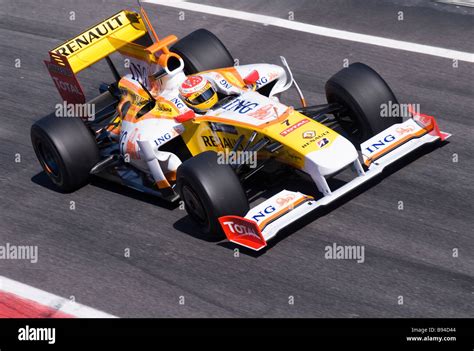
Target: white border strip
x,y
318,30
50,300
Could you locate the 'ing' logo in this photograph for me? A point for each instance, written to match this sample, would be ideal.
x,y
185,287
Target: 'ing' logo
x,y
139,73
380,143
261,81
263,213
163,139
240,106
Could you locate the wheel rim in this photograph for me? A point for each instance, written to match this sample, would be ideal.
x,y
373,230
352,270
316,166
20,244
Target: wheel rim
x,y
48,160
194,206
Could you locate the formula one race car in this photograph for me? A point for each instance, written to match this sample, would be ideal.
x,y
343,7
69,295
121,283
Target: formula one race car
x,y
187,124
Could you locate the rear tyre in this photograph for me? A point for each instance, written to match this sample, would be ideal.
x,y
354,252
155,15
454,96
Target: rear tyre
x,y
66,150
210,190
201,51
362,92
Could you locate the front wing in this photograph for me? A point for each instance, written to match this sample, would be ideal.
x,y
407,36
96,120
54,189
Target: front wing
x,y
266,219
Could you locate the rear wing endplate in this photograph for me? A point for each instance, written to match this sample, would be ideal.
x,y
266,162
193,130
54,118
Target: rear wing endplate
x,y
65,80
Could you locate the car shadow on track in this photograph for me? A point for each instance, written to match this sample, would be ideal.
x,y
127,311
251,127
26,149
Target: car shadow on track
x,y
132,193
43,180
187,226
324,210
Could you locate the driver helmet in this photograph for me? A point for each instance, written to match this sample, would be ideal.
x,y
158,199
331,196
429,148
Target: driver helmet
x,y
198,93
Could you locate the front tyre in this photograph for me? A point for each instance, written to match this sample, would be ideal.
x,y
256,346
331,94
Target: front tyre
x,y
362,92
210,190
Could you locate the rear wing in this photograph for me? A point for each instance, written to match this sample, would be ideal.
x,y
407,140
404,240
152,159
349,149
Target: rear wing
x,y
87,48
117,33
101,40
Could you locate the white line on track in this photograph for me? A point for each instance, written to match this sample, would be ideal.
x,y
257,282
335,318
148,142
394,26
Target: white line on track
x,y
50,300
318,30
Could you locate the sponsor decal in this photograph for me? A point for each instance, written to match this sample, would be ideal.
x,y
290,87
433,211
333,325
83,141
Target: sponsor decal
x,y
264,112
404,130
135,98
164,138
139,73
67,86
424,119
213,141
129,145
178,103
309,134
225,84
163,107
273,75
241,229
261,81
294,127
263,213
53,68
316,138
230,77
65,82
241,106
381,143
323,142
284,200
89,37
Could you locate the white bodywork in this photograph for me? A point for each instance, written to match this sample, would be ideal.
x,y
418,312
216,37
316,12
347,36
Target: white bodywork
x,y
266,219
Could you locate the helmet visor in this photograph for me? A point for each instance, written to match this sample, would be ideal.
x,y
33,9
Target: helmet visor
x,y
203,97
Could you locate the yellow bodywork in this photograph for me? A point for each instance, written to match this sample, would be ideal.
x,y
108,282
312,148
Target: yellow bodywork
x,y
102,39
298,134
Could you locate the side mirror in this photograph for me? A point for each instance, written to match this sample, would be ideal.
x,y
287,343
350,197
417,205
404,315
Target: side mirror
x,y
187,116
252,78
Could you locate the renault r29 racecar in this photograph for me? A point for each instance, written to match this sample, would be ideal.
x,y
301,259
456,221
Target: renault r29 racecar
x,y
171,126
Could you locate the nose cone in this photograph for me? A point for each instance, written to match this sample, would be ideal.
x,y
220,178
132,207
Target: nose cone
x,y
330,158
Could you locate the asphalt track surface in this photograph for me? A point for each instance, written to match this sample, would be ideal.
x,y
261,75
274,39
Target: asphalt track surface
x,y
408,252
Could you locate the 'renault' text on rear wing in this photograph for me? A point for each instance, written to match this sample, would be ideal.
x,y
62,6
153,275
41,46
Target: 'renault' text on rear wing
x,y
119,32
